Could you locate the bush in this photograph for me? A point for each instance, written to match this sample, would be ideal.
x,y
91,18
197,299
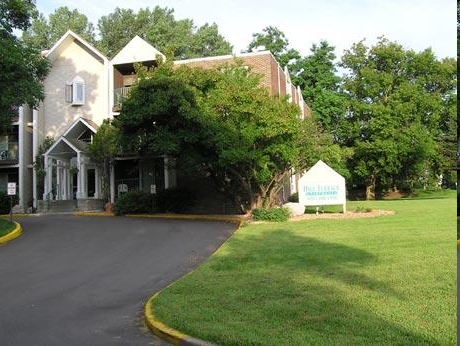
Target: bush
x,y
174,200
134,202
360,209
271,214
5,202
294,198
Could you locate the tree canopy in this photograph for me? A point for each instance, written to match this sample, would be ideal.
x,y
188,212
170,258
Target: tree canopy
x,y
21,66
273,39
398,110
158,26
316,74
44,33
223,120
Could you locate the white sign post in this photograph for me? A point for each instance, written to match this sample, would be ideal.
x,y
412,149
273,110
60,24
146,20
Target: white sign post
x,y
321,185
11,192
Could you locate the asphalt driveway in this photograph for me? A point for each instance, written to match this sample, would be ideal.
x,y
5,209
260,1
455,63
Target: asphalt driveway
x,y
70,280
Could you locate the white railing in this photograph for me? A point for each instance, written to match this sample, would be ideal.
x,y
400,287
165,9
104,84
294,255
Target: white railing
x,y
119,94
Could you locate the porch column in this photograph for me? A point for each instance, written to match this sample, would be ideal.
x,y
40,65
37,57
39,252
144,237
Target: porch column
x,y
83,179
169,173
97,183
48,177
79,176
34,155
58,179
112,183
166,173
65,181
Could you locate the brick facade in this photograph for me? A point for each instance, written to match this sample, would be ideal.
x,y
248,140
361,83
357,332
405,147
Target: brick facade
x,y
262,63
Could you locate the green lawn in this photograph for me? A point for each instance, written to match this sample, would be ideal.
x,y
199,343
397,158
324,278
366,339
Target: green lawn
x,y
388,280
6,227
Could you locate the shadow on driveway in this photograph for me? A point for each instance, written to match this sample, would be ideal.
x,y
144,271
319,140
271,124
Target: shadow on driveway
x,y
84,280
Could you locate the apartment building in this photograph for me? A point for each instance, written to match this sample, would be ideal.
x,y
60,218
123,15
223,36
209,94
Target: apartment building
x,y
82,89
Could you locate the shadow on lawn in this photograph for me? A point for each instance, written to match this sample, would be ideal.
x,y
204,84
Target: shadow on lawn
x,y
308,281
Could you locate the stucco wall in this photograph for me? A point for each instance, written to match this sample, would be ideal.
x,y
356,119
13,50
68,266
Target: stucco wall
x,y
56,115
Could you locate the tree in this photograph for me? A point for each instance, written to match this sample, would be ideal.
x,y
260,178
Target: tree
x,y
317,77
160,28
39,164
397,99
274,40
159,117
118,28
43,33
102,151
208,42
21,67
223,122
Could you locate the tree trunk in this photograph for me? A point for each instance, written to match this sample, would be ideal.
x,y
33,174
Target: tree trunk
x,y
370,188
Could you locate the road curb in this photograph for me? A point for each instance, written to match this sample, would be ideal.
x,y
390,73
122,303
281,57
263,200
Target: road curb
x,y
160,329
166,333
232,219
12,235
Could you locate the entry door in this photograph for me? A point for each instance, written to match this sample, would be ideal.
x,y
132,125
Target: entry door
x,y
91,176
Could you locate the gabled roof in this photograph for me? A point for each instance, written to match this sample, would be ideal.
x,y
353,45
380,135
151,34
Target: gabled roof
x,y
68,38
137,50
81,122
69,144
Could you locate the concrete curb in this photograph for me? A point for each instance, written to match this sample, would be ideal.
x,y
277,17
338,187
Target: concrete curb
x,y
153,323
166,333
12,235
92,213
232,219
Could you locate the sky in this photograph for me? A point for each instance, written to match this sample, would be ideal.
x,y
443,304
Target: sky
x,y
415,24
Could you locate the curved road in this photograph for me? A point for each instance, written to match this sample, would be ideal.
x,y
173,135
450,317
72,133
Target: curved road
x,y
71,280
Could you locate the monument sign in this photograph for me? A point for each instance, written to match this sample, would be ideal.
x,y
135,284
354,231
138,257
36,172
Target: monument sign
x,y
321,185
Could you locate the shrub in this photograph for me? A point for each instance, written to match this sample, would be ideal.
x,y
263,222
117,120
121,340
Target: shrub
x,y
134,202
175,200
294,198
360,209
5,202
271,214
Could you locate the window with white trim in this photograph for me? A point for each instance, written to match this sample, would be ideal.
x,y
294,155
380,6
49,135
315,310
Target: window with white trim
x,y
75,91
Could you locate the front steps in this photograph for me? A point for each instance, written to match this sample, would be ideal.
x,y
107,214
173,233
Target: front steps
x,y
69,206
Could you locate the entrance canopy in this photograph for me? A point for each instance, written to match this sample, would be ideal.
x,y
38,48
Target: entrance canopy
x,y
75,140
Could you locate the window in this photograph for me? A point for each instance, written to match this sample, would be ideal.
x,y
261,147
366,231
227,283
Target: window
x,y
75,91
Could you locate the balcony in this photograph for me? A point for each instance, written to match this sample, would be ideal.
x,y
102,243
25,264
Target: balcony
x,y
9,152
119,94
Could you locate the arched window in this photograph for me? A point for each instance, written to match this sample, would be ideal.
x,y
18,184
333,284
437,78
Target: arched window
x,y
75,91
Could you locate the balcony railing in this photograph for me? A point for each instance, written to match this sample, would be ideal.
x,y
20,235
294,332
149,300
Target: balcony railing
x,y
119,94
9,151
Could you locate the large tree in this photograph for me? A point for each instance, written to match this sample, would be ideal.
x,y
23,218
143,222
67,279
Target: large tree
x,y
44,33
398,101
316,74
160,28
273,39
21,67
223,122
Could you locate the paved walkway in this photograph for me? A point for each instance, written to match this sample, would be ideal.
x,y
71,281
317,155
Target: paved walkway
x,y
72,280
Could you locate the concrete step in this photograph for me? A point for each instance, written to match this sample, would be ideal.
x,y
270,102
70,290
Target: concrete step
x,y
53,206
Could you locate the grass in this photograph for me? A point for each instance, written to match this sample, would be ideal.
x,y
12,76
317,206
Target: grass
x,y
6,227
388,280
